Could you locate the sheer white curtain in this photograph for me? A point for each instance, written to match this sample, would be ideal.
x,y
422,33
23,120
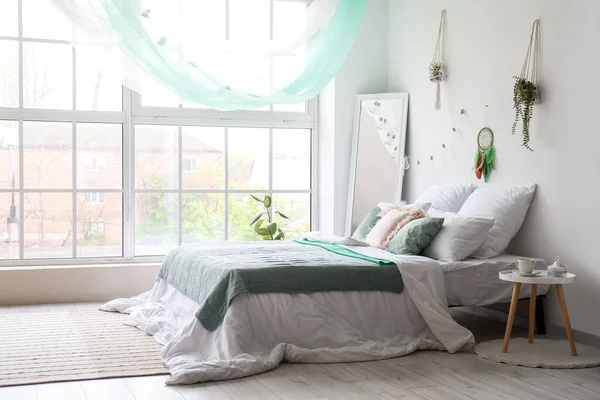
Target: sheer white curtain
x,y
217,52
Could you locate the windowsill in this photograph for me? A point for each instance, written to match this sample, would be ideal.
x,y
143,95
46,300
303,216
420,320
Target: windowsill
x,y
78,266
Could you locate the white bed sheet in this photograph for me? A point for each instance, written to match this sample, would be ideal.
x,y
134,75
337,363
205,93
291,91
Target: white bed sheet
x,y
261,330
476,283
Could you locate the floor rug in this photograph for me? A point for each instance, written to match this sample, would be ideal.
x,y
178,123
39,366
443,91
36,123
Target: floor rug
x,y
70,346
543,353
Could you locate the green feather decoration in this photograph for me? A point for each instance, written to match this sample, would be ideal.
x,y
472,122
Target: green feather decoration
x,y
477,155
488,162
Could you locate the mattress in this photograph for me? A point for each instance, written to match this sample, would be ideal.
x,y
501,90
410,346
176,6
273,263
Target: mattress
x,y
476,283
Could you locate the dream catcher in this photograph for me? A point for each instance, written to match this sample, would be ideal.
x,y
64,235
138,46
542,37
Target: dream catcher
x,y
486,152
437,69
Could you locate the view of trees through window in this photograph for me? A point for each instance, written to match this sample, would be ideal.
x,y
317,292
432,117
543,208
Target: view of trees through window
x,y
84,174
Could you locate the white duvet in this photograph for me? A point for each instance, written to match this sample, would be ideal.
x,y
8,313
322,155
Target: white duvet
x,y
261,330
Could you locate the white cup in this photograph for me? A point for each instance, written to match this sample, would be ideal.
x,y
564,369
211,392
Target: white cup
x,y
525,266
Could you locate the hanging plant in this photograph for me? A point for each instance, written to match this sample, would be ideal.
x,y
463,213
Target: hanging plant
x,y
524,96
437,70
525,91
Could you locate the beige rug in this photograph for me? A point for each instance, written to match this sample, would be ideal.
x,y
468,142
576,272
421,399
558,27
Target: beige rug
x,y
542,353
69,346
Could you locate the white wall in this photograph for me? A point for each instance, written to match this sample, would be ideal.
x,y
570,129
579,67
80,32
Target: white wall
x,y
364,71
486,43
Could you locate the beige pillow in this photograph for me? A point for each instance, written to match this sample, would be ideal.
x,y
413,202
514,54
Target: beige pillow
x,y
392,220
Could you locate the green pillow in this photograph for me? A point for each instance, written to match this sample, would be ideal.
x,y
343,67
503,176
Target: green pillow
x,y
415,236
367,224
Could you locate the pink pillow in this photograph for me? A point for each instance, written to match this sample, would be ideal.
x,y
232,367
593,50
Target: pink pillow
x,y
392,220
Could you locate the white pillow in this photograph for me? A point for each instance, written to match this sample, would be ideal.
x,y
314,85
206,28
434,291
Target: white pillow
x,y
508,207
446,197
459,237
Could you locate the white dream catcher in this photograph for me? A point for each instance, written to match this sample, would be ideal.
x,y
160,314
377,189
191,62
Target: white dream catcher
x,y
437,69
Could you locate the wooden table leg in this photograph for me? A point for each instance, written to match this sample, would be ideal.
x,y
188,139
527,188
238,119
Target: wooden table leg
x,y
565,315
511,315
532,312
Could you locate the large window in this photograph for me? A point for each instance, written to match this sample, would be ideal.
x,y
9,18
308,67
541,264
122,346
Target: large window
x,y
89,169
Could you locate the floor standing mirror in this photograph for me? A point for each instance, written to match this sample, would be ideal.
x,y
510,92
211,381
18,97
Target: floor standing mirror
x,y
377,164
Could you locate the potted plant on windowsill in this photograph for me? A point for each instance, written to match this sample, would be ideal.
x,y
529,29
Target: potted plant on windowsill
x,y
263,221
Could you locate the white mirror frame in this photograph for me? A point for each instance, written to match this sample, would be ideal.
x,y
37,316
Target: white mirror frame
x,y
355,134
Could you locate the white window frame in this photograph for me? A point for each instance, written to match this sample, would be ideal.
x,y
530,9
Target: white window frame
x,y
180,117
133,113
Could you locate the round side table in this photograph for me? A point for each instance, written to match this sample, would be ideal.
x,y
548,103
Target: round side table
x,y
541,279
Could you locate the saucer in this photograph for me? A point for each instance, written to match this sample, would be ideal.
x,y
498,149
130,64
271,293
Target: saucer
x,y
535,273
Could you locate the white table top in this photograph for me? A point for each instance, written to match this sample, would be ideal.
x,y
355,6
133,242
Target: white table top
x,y
541,279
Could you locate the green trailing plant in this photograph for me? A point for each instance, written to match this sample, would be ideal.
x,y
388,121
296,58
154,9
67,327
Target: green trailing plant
x,y
263,221
524,97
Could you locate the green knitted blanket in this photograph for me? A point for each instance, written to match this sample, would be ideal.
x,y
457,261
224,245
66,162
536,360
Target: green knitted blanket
x,y
213,274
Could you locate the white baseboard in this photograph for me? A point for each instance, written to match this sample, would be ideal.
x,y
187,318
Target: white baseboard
x,y
553,330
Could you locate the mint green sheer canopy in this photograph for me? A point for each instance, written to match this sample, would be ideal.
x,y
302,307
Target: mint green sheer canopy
x,y
174,43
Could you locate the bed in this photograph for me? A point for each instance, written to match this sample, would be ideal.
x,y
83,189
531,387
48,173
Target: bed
x,y
260,330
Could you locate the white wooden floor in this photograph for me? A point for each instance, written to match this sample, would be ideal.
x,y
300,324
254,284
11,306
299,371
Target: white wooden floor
x,y
423,375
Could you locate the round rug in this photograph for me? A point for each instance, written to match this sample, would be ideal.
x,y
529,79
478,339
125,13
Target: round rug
x,y
542,353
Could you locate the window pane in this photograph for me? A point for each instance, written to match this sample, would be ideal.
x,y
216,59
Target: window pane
x,y
96,88
190,104
42,20
156,157
9,225
203,158
289,19
155,95
155,223
9,18
249,20
203,217
47,155
9,73
99,156
297,107
47,75
242,208
291,159
203,19
296,206
99,229
48,225
248,158
9,155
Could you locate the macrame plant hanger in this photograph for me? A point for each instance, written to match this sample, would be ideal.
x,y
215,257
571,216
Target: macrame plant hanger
x,y
437,69
525,92
530,65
